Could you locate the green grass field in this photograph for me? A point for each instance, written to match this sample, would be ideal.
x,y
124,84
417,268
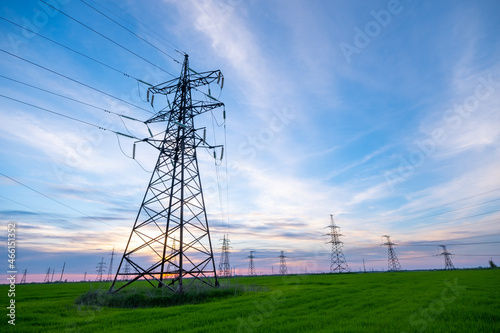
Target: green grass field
x,y
434,301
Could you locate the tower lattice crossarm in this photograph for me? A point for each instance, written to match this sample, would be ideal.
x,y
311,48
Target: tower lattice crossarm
x,y
393,262
338,263
173,207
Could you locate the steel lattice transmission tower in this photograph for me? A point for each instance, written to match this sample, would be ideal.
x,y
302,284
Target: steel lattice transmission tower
x,y
338,263
251,265
23,279
447,258
393,262
173,205
101,267
110,269
224,266
47,276
283,268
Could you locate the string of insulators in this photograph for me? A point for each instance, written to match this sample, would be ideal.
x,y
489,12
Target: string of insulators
x,y
133,151
220,79
152,100
221,153
147,96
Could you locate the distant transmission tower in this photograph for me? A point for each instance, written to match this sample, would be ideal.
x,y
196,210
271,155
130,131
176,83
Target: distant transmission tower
x,y
172,266
224,266
100,269
110,270
283,268
62,273
23,279
173,205
447,258
393,262
53,271
338,264
126,271
47,276
251,265
85,276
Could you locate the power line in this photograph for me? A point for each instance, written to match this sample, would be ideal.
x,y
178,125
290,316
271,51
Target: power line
x,y
55,200
451,211
36,210
451,244
69,117
431,208
109,39
468,224
462,218
69,98
73,50
452,202
164,42
76,81
478,255
133,33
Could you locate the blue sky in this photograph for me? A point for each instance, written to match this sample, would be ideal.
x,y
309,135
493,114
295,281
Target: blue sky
x,y
382,113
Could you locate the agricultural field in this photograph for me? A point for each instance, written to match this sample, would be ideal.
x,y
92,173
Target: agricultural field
x,y
417,301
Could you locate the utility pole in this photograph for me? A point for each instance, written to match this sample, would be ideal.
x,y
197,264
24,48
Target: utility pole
x,y
110,270
224,266
100,269
173,205
338,264
283,268
251,265
393,262
447,258
364,268
23,279
62,273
